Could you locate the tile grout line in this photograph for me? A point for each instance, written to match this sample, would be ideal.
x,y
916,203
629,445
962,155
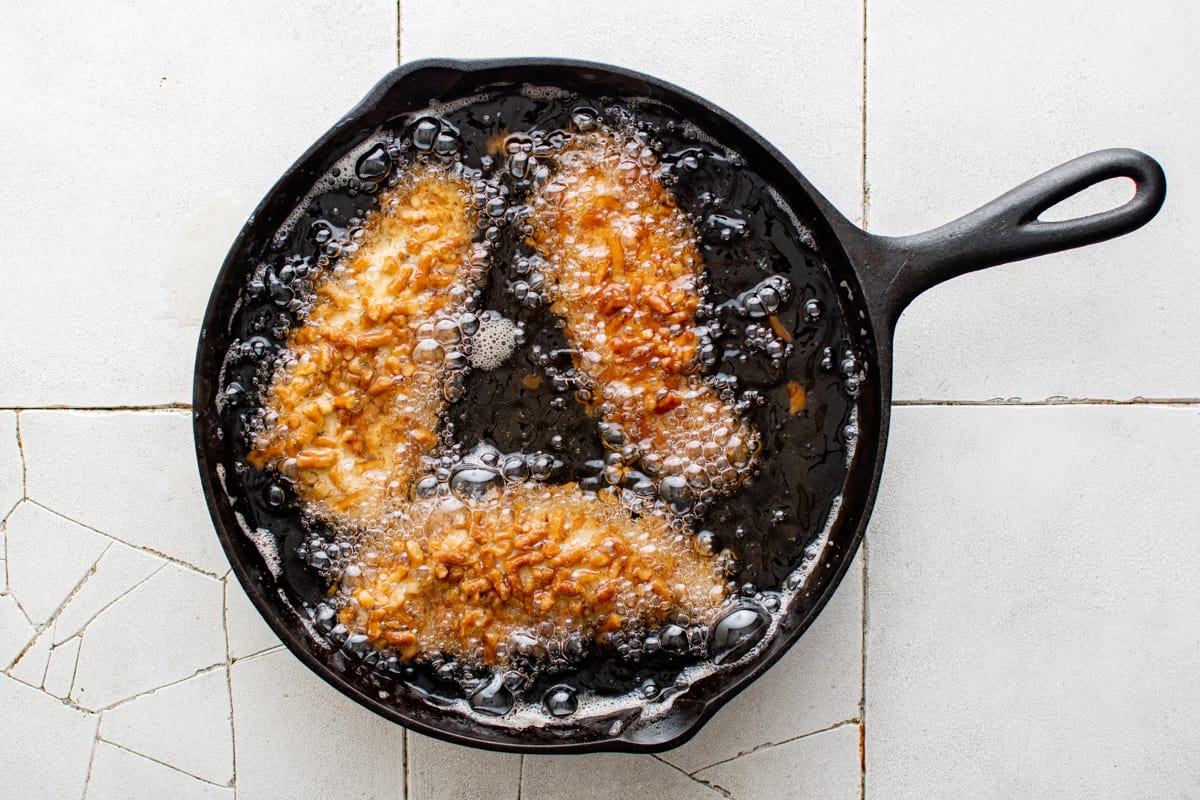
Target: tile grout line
x,y
68,407
866,192
862,694
87,781
1056,400
1053,400
229,682
24,466
521,777
407,775
399,32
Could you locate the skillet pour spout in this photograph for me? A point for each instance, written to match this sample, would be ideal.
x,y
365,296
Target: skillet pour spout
x,y
860,283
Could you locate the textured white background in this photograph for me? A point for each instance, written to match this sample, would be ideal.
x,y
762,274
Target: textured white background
x,y
1024,621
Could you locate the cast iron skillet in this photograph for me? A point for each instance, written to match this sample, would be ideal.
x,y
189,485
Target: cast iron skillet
x,y
874,278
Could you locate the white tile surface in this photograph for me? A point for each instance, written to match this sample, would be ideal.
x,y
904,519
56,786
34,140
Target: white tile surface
x,y
165,630
817,684
186,725
120,775
452,772
823,766
967,100
248,633
48,556
608,775
1031,594
162,509
135,166
1032,605
295,737
12,470
50,756
792,71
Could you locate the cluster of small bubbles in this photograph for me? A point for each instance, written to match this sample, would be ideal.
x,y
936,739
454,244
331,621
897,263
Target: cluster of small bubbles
x,y
827,362
286,285
761,338
725,228
812,309
852,370
334,241
493,340
765,298
329,557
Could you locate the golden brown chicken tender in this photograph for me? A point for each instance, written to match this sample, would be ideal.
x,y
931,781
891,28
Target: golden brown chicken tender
x,y
360,406
624,273
464,576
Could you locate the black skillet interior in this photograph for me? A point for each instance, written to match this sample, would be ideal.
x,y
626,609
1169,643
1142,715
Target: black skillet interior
x,y
821,465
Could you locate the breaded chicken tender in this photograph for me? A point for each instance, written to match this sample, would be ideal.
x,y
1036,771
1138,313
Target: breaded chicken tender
x,y
360,407
466,576
624,273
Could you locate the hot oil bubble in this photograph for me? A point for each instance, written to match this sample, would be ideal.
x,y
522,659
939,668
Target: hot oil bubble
x,y
736,633
474,483
561,701
373,164
493,698
424,133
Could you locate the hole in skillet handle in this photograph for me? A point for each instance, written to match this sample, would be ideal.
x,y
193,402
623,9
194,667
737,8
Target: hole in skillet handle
x,y
1009,228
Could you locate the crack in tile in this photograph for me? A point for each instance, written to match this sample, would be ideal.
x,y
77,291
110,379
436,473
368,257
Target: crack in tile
x,y
82,628
74,667
111,743
771,745
259,654
132,697
151,551
39,629
721,790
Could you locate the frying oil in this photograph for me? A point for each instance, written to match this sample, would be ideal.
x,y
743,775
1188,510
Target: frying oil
x,y
773,344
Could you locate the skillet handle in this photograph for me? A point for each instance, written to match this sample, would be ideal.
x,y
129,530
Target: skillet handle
x,y
1008,228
